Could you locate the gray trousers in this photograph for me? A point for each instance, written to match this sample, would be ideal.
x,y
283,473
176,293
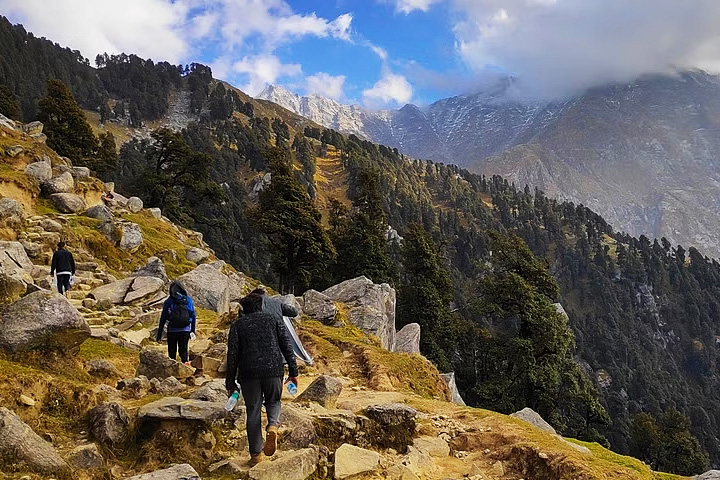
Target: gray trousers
x,y
255,393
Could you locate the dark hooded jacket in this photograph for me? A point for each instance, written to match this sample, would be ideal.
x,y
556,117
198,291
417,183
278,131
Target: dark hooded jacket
x,y
178,296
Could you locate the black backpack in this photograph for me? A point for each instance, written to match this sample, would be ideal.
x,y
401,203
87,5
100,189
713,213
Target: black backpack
x,y
178,315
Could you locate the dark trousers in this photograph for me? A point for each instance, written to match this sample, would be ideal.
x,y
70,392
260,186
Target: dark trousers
x,y
178,341
255,393
63,283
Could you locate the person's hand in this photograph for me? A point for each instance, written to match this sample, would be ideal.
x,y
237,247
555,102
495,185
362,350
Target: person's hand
x,y
293,380
230,391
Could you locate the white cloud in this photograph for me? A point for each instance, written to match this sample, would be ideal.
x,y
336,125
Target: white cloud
x,y
408,6
262,70
325,85
391,89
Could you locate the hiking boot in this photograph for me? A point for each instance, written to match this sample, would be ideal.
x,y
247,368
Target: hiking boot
x,y
271,441
255,459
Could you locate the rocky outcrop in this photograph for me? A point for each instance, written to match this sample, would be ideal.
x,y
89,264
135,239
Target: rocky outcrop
x,y
452,386
407,339
372,307
154,364
67,202
10,211
42,319
128,290
176,408
318,306
533,418
352,462
176,472
208,287
19,444
324,390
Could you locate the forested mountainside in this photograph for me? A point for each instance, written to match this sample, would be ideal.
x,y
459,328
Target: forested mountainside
x,y
644,313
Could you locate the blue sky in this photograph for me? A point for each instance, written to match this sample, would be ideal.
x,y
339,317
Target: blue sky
x,y
385,53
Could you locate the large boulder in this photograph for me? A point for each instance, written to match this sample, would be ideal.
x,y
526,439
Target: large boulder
x,y
100,212
64,183
10,210
237,286
153,268
533,418
134,204
20,444
393,425
131,236
154,364
709,475
114,292
208,287
407,339
319,307
176,472
41,171
452,386
176,408
67,202
82,173
324,390
197,255
297,465
32,128
11,289
352,461
143,287
372,307
212,391
42,319
86,457
14,261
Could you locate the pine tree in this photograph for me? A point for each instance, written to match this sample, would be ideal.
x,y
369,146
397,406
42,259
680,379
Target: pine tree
x,y
8,103
68,132
299,244
107,157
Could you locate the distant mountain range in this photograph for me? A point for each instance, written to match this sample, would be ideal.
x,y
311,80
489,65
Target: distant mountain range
x,y
645,155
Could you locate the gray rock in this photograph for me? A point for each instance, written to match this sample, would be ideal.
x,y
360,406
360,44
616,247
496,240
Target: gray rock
x,y
236,287
136,387
32,127
176,472
324,390
212,391
14,261
67,202
109,424
50,225
11,289
297,465
131,236
452,386
169,386
100,367
156,213
407,339
33,249
40,171
352,461
13,151
176,408
394,425
134,204
86,457
154,364
153,268
42,319
81,172
208,287
372,307
10,209
20,444
100,212
64,183
114,292
709,475
6,122
533,418
143,287
197,255
433,446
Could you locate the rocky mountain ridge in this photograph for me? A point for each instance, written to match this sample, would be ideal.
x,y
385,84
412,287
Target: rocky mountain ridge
x,y
103,401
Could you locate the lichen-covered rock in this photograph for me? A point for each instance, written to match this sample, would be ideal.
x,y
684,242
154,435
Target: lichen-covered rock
x,y
134,204
10,211
50,225
20,444
114,292
67,202
297,465
533,418
352,461
14,150
212,391
102,368
318,306
136,387
142,287
131,236
42,319
11,289
64,183
86,457
208,287
324,390
455,397
197,255
100,212
176,408
156,213
40,171
407,339
32,128
393,425
154,267
169,386
154,364
176,472
109,424
80,172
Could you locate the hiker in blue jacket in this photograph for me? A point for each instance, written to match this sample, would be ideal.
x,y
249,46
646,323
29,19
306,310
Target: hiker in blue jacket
x,y
179,313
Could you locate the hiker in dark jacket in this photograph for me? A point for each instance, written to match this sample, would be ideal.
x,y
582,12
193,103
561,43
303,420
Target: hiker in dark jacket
x,y
258,347
63,267
275,306
179,313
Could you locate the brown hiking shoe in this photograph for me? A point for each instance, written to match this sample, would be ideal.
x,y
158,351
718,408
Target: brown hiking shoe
x,y
271,441
255,459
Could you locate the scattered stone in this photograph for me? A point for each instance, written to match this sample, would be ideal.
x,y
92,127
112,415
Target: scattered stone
x,y
18,443
208,287
89,302
42,319
533,418
86,457
498,469
131,236
32,127
13,151
114,292
212,391
64,183
156,213
33,250
40,171
134,204
319,306
324,390
433,446
136,387
10,209
153,268
27,401
169,386
351,461
154,364
297,465
452,386
407,339
176,408
230,467
100,212
50,225
81,172
197,255
67,202
142,287
176,472
102,368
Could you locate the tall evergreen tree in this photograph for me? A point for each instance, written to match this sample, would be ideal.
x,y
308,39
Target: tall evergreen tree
x,y
68,132
107,157
8,103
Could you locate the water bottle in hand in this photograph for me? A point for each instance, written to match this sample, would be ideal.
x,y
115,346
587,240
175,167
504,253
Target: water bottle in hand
x,y
292,389
232,401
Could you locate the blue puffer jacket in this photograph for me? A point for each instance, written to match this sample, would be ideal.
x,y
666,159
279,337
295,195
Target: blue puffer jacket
x,y
178,295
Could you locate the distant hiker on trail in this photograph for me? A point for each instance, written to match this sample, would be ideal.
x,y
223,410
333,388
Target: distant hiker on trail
x,y
275,306
63,267
179,313
258,347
